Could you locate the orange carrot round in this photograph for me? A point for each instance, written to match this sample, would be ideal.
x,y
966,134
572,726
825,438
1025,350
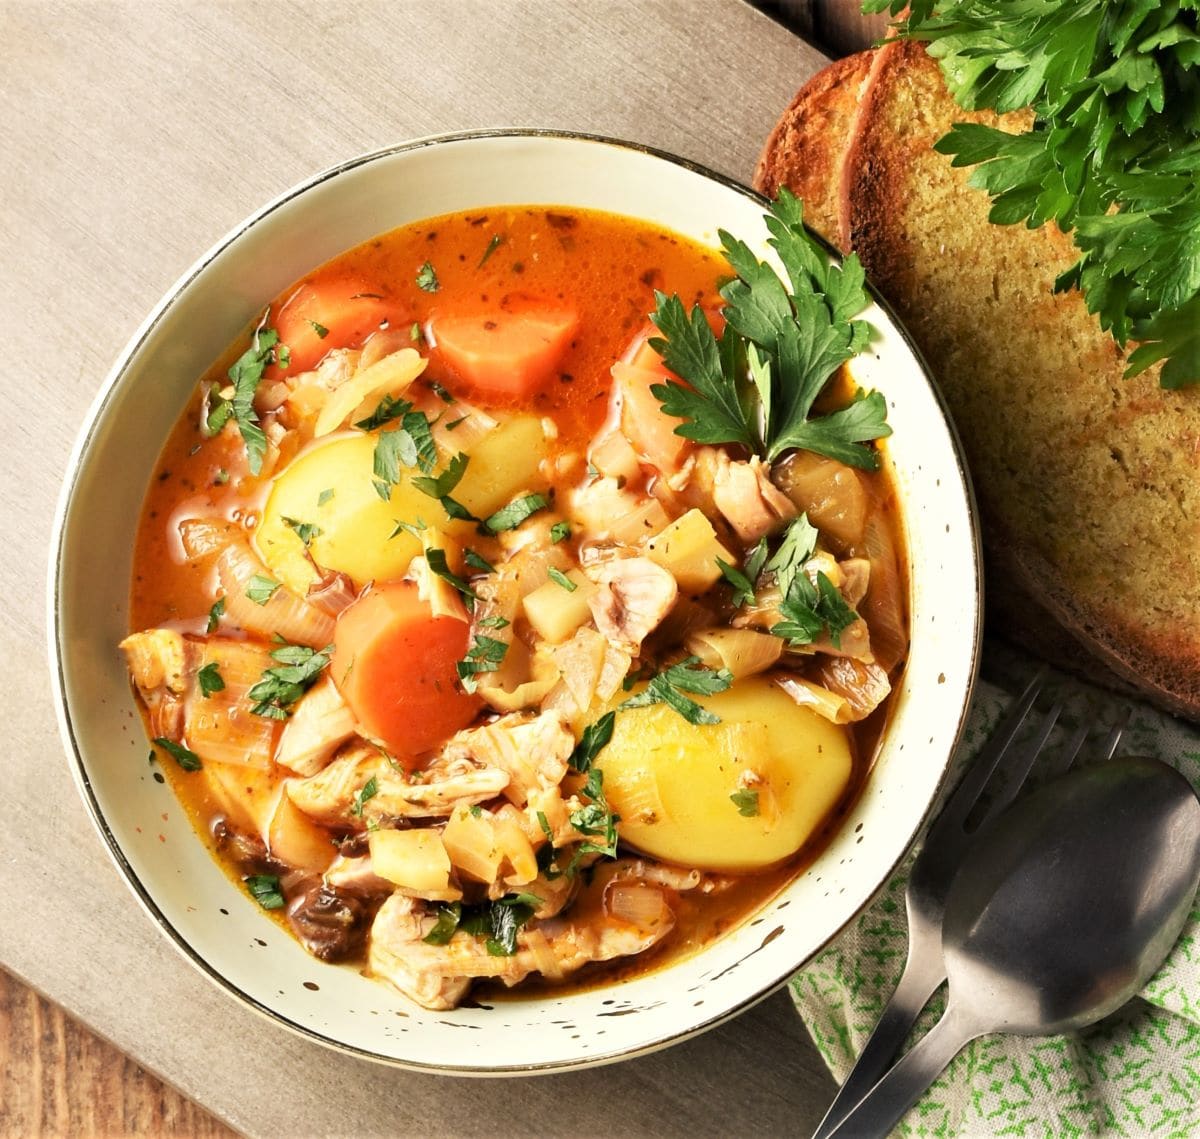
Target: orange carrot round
x,y
394,662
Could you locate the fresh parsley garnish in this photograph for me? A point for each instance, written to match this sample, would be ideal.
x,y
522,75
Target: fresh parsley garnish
x,y
511,516
185,757
476,561
260,588
215,613
559,531
497,922
265,890
493,622
441,486
319,329
363,795
670,685
435,559
492,246
1111,155
305,531
280,687
210,679
798,545
757,384
485,655
325,496
743,580
427,278
809,608
746,802
246,374
440,391
559,578
596,820
594,738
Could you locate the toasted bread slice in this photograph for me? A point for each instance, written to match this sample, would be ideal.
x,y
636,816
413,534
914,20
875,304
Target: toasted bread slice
x,y
1087,480
806,150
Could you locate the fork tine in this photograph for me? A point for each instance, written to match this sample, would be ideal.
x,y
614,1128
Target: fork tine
x,y
1018,770
1061,764
964,796
1115,733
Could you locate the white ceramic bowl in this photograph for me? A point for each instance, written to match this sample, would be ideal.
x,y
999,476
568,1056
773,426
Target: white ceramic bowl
x,y
190,898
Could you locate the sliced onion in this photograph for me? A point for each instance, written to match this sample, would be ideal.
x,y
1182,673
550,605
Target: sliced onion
x,y
742,651
637,904
885,605
283,613
545,961
389,376
220,727
836,709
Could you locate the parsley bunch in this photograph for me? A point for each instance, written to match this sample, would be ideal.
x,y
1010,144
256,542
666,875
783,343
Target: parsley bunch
x,y
1112,153
756,385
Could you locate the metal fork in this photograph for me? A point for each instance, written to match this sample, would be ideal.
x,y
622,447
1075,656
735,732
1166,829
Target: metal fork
x,y
999,769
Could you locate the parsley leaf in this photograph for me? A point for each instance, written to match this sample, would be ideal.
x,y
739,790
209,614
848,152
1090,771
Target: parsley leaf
x,y
498,922
260,588
427,278
743,580
280,687
592,741
596,820
559,578
449,914
559,531
485,655
746,802
246,374
435,559
305,531
670,685
265,890
365,793
215,613
185,757
492,246
441,486
798,545
511,516
210,679
781,345
809,609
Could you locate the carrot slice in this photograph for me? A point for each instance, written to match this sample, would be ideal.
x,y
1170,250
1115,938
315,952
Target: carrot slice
x,y
394,662
322,315
504,354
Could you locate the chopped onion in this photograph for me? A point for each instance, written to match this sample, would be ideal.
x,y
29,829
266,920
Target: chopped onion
x,y
284,613
638,904
742,651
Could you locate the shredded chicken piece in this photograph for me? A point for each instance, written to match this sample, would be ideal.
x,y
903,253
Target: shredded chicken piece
x,y
438,976
356,874
161,663
752,504
635,595
532,750
320,723
333,796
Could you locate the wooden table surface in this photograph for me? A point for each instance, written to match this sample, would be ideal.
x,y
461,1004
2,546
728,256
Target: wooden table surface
x,y
57,1076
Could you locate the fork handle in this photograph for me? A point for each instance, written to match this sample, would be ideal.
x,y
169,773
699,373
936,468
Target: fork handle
x,y
885,1104
917,984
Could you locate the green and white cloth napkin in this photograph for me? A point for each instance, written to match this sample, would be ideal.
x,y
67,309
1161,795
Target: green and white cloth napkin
x,y
1137,1073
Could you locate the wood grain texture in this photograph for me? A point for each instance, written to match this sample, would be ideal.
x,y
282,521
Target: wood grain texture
x,y
138,134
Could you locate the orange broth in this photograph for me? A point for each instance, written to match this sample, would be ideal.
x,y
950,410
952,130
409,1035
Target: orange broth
x,y
607,268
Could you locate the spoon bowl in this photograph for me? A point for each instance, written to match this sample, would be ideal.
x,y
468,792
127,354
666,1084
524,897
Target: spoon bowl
x,y
1064,908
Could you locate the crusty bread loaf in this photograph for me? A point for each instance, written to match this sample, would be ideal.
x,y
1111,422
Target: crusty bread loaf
x,y
1088,482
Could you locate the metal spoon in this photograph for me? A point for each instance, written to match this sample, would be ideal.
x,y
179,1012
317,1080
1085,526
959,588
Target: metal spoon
x,y
1063,910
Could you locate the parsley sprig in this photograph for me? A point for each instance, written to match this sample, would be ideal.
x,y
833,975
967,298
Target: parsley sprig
x,y
671,686
246,374
280,687
782,343
1111,155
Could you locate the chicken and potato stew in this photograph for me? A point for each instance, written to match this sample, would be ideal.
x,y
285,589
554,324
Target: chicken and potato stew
x,y
524,594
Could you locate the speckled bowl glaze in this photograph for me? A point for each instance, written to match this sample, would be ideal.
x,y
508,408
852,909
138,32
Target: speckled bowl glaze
x,y
220,929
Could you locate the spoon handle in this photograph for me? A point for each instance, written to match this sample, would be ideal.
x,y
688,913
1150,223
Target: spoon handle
x,y
920,980
883,1106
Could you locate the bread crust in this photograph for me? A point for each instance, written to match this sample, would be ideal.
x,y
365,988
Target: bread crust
x,y
807,148
1087,481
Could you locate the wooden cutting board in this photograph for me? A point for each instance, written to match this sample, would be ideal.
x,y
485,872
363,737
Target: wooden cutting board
x,y
137,135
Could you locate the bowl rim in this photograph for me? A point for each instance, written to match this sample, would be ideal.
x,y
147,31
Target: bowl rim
x,y
56,646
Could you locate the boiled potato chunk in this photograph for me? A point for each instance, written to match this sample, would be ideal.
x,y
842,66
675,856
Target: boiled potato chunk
x,y
414,859
681,789
331,487
503,463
